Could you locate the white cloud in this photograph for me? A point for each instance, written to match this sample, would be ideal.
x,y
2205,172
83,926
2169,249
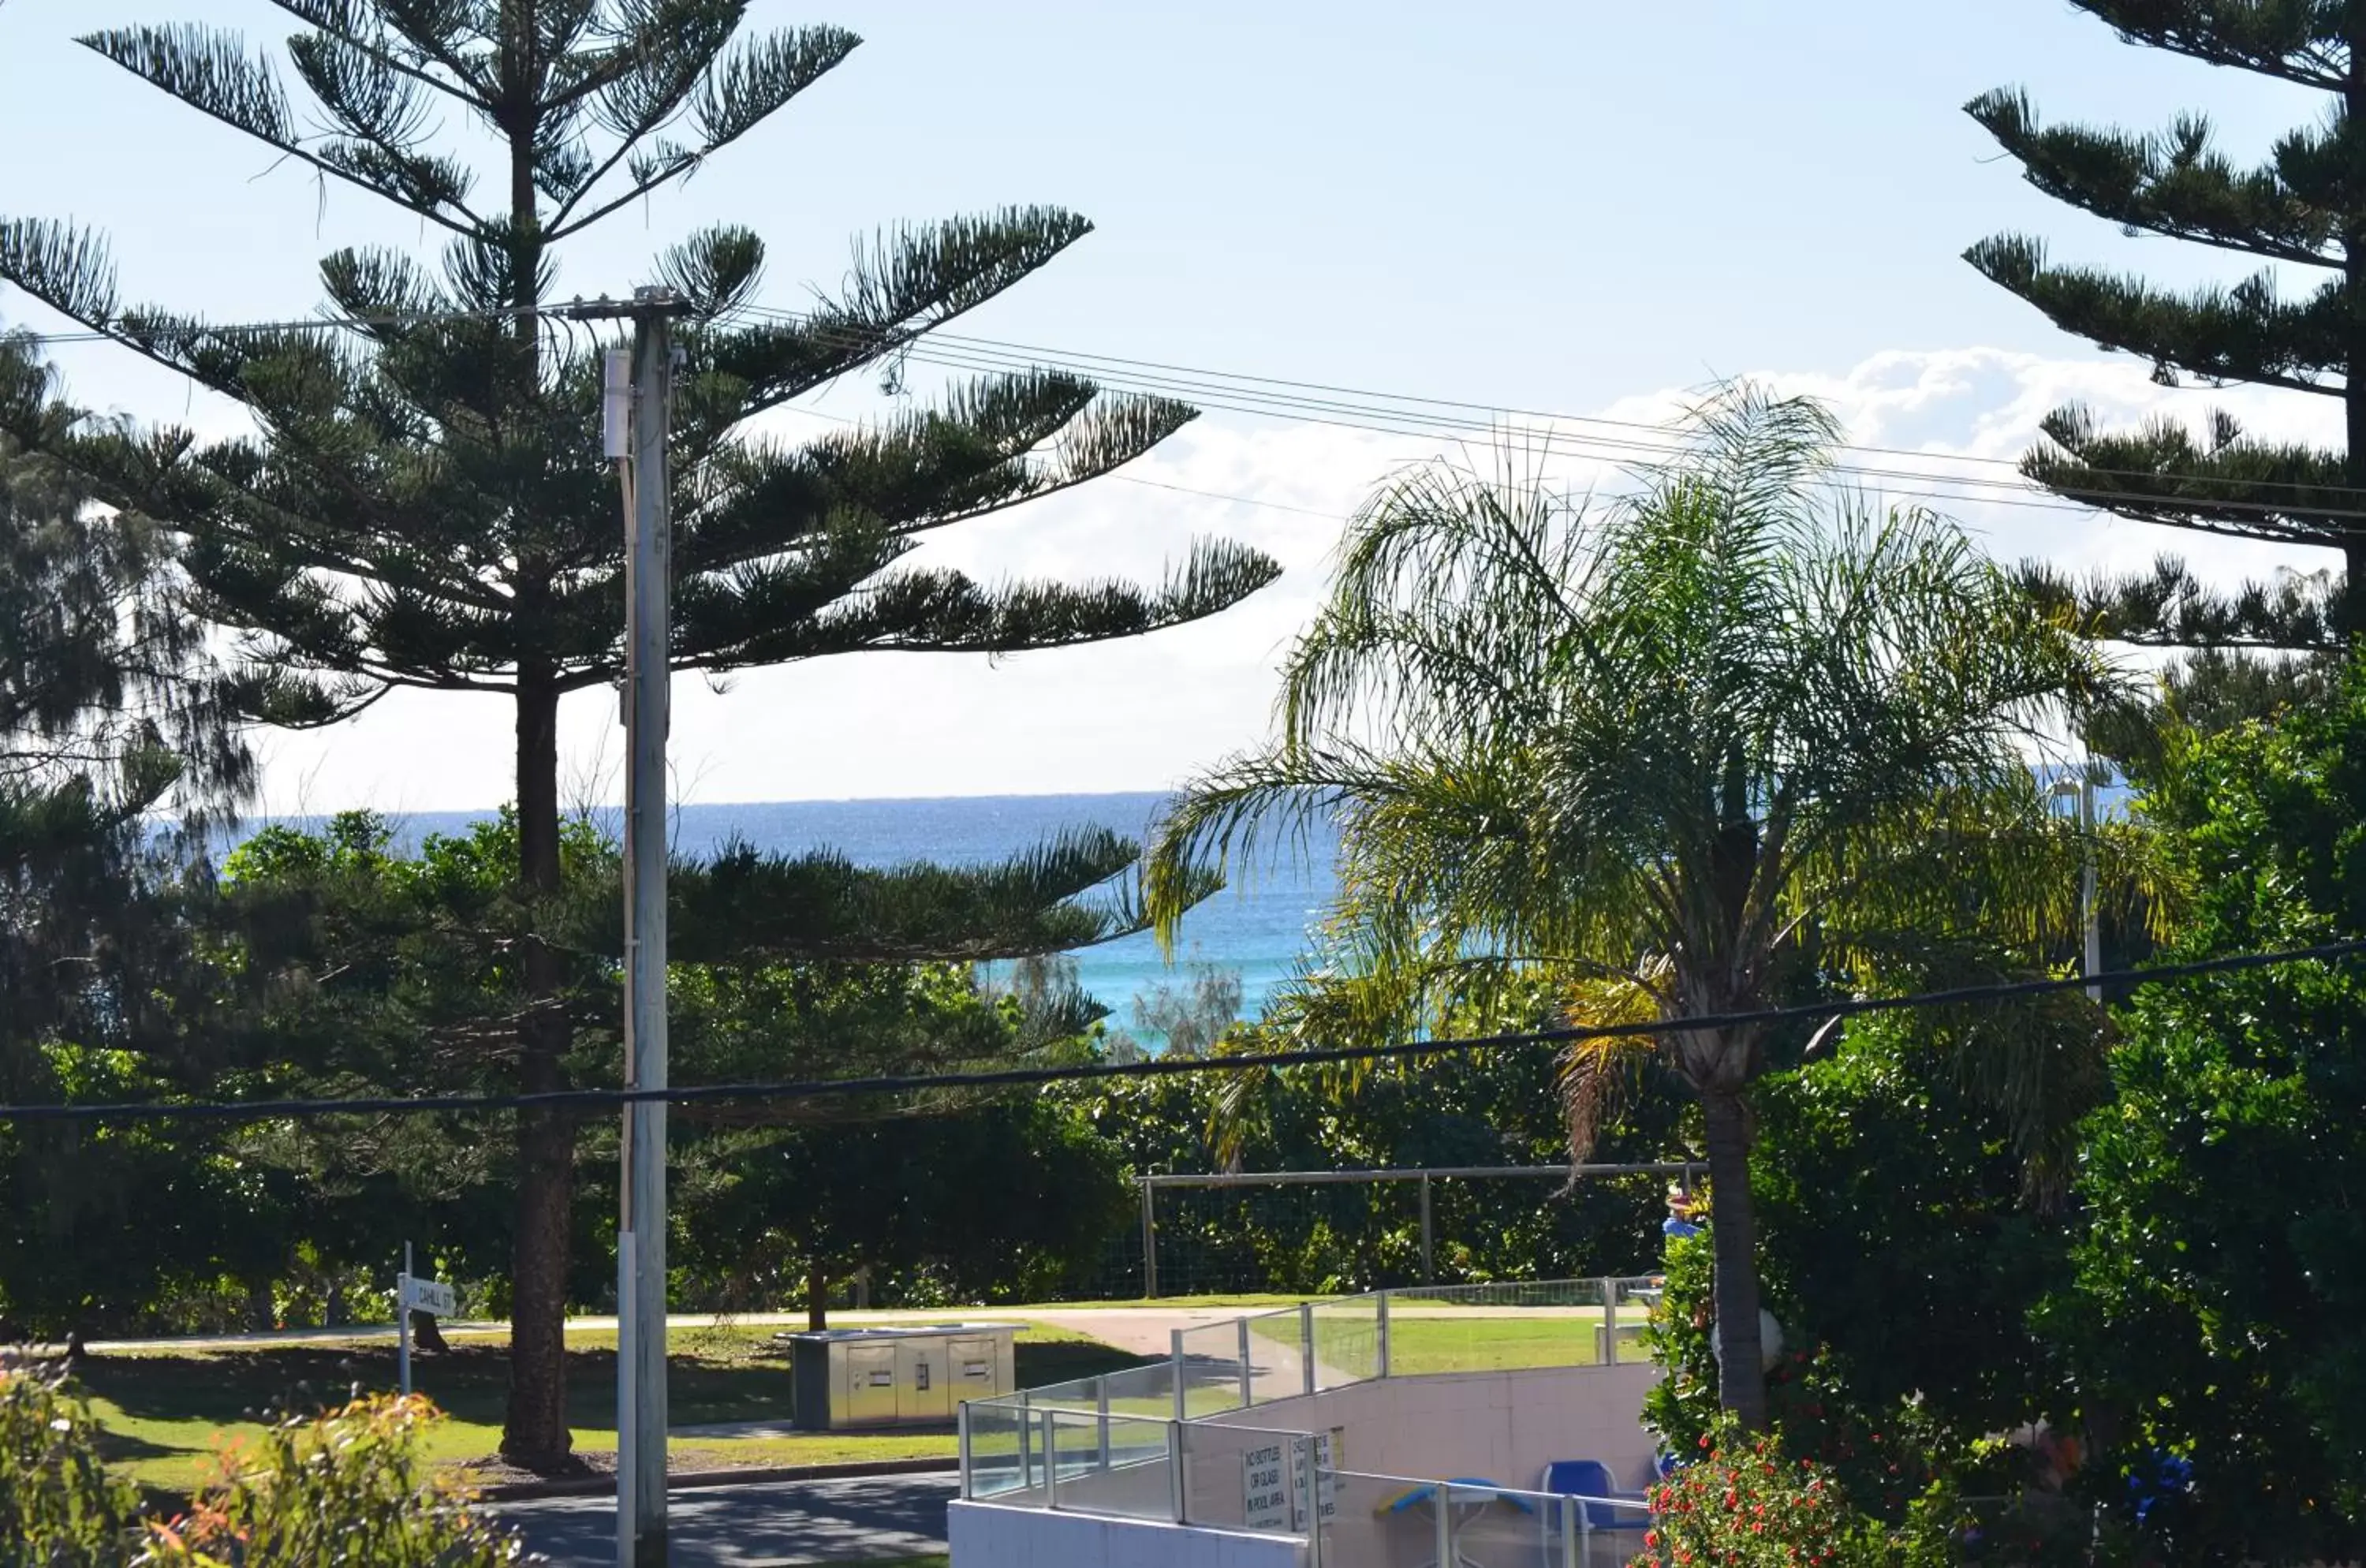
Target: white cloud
x,y
1145,714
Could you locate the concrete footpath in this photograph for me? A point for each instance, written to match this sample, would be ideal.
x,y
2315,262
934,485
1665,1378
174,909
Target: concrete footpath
x,y
754,1526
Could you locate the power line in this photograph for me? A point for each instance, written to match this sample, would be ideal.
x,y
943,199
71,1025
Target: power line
x,y
2024,493
1157,1066
1137,479
1360,409
1001,351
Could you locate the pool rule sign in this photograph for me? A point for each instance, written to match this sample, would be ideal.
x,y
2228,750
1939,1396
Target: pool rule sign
x,y
1276,1488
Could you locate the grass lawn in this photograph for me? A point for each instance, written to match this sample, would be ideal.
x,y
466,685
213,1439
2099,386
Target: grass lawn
x,y
1249,1303
165,1413
1418,1345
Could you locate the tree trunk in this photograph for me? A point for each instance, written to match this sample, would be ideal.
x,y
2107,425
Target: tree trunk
x,y
817,1296
534,1436
1742,1381
425,1335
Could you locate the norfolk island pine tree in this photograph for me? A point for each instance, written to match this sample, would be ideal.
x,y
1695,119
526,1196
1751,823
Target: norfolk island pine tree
x,y
424,503
2303,209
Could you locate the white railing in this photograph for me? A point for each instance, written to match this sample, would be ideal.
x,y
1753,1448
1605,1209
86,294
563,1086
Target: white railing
x,y
1472,1525
1131,1444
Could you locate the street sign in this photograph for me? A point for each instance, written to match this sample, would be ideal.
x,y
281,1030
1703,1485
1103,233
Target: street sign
x,y
428,1296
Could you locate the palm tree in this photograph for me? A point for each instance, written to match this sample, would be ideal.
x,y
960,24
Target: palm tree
x,y
1657,744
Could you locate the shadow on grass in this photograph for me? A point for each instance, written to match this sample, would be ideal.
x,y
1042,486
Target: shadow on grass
x,y
708,1382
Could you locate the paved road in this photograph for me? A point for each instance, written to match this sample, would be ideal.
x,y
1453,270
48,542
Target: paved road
x,y
742,1527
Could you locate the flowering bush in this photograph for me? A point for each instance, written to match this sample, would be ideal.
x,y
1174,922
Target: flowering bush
x,y
1741,1504
1884,1457
343,1488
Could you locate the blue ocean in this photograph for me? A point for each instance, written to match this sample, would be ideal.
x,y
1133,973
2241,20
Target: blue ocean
x,y
1257,928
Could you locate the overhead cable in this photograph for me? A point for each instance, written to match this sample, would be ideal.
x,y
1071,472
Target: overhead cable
x,y
1154,1066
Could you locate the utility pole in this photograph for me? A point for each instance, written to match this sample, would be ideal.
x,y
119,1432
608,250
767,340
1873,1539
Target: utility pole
x,y
2083,790
638,395
2087,885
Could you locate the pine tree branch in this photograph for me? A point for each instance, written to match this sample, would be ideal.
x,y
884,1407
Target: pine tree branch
x,y
337,20
671,168
992,443
2296,41
740,624
2174,184
2223,482
212,73
2219,336
739,94
382,113
742,906
168,475
641,85
275,695
2170,607
660,28
902,284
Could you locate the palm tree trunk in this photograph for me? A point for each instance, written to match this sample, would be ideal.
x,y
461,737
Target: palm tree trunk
x,y
1742,1381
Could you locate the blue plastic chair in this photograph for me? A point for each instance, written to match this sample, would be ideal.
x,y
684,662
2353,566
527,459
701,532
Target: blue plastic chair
x,y
1590,1479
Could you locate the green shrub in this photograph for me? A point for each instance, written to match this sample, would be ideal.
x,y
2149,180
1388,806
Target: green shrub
x,y
346,1488
1745,1502
343,1488
59,1507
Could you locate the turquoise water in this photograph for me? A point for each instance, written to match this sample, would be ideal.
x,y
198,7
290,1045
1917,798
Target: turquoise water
x,y
1257,928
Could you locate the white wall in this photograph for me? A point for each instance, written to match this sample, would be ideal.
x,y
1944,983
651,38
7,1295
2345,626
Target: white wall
x,y
1504,1426
984,1536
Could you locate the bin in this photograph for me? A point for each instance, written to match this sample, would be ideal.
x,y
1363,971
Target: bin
x,y
848,1378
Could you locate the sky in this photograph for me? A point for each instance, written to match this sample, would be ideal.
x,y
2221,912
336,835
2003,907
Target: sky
x,y
1585,208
